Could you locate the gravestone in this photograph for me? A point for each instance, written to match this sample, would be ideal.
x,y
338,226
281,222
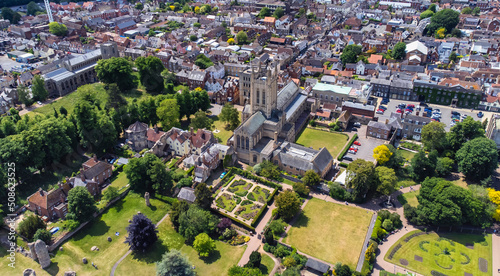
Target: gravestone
x,y
31,246
69,273
146,197
84,260
109,239
29,272
42,252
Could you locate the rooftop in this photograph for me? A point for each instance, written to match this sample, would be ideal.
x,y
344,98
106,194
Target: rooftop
x,y
332,88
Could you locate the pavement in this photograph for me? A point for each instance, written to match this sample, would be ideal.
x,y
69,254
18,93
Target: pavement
x,y
361,259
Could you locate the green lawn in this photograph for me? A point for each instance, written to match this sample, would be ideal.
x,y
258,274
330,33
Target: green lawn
x,y
446,253
240,187
96,233
330,232
20,265
410,198
266,264
218,263
408,155
286,181
120,181
334,142
259,194
223,132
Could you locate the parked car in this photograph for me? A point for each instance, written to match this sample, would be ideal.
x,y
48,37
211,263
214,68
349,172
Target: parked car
x,y
222,175
411,105
347,158
357,124
382,107
352,152
385,101
423,104
455,113
399,111
480,114
39,103
380,111
353,149
357,143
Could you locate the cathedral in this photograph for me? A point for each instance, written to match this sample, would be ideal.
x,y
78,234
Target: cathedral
x,y
270,117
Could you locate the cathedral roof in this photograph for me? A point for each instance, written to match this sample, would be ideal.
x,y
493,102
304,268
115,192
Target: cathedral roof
x,y
285,94
253,123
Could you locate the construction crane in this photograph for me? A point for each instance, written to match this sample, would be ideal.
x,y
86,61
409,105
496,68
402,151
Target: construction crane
x,y
49,11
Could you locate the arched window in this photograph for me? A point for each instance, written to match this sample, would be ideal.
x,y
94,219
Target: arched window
x,y
248,144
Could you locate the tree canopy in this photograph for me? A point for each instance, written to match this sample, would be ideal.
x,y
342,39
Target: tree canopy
x,y
446,18
30,225
174,262
311,178
478,158
203,61
399,51
116,70
464,131
203,195
288,204
9,14
350,54
81,204
32,8
38,89
422,165
150,69
195,221
242,37
58,29
148,174
382,154
361,178
433,136
142,233
168,113
201,121
426,14
203,244
230,115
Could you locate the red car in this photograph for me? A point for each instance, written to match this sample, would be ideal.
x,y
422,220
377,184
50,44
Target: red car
x,y
357,143
411,105
353,149
399,111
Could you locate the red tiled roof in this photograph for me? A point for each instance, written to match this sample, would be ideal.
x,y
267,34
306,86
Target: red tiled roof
x,y
154,136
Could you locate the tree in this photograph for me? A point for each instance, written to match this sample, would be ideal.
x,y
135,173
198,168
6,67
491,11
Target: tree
x,y
387,180
433,8
195,221
343,270
277,227
10,15
30,225
42,234
476,11
382,154
230,41
387,225
291,271
193,38
204,245
446,18
110,193
269,170
440,32
453,56
203,61
242,37
311,178
301,189
142,233
24,95
477,158
58,29
184,182
467,10
288,204
254,260
174,262
148,174
444,166
139,6
350,54
426,14
433,135
399,51
150,69
178,207
147,111
116,70
38,89
464,131
197,9
168,113
278,13
230,115
456,33
370,253
224,224
228,161
244,271
422,166
264,12
32,8
201,121
361,178
203,196
81,205
115,99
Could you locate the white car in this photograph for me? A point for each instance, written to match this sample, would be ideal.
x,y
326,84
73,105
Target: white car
x,y
357,124
352,152
39,103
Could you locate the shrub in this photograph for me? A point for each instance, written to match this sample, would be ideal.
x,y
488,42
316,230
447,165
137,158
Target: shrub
x,y
344,165
337,191
346,148
394,250
387,225
42,234
407,239
71,225
421,245
277,227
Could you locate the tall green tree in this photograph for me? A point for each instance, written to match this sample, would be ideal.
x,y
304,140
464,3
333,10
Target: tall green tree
x,y
116,70
423,166
387,180
350,54
29,225
426,14
399,51
148,174
58,29
264,12
478,158
311,178
464,131
361,178
9,14
230,115
196,221
147,111
204,244
150,69
174,262
201,120
168,114
278,13
32,8
446,18
434,136
38,89
203,195
81,205
288,204
24,95
242,37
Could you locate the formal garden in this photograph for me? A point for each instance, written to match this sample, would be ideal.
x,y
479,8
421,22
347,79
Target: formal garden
x,y
242,200
443,254
330,232
332,141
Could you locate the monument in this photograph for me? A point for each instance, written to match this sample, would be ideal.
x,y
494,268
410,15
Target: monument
x,y
42,252
146,197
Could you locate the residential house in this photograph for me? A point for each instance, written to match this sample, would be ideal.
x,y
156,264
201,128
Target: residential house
x,y
417,52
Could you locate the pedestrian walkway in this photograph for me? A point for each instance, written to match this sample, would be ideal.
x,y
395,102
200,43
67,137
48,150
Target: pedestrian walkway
x,y
361,259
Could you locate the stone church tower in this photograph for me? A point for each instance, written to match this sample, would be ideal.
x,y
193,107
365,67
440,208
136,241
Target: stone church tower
x,y
109,50
264,89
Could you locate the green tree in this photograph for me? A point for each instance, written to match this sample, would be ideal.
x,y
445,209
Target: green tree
x,y
147,111
30,225
423,166
228,161
58,29
291,271
453,56
425,14
195,221
10,15
174,262
387,180
116,70
311,178
115,99
193,38
197,25
476,11
350,54
168,114
244,271
201,121
269,170
151,33
42,234
277,227
444,166
139,6
301,189
203,61
150,69
456,33
264,12
360,178
81,204
142,233
38,89
203,195
287,204
242,37
204,245
148,174
178,207
230,115
32,8
464,131
478,158
254,260
433,8
278,13
387,225
434,136
24,96
110,193
467,10
399,51
446,18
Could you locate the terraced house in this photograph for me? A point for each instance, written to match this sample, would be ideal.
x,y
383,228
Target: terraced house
x,y
449,91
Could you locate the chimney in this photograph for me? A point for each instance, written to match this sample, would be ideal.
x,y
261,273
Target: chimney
x,y
40,191
386,121
83,177
191,130
156,129
67,179
95,157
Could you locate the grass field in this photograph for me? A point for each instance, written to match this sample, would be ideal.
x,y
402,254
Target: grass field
x,y
330,232
410,198
96,233
259,194
451,254
218,263
223,133
226,202
266,264
120,181
333,142
408,155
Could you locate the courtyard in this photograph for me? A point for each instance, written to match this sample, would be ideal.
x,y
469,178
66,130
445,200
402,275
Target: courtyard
x,y
242,199
334,142
450,254
330,232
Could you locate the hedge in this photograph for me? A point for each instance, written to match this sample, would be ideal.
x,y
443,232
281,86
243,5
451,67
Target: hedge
x,y
263,181
190,171
347,147
342,164
272,196
259,214
236,220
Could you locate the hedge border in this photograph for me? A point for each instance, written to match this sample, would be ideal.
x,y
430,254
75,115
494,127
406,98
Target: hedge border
x,y
236,220
259,215
190,171
346,148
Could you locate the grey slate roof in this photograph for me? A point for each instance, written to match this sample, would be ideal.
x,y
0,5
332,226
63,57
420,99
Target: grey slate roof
x,y
126,24
317,265
285,94
187,194
294,105
85,57
59,74
379,125
253,123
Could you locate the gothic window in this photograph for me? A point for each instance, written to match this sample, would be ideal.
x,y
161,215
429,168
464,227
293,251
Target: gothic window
x,y
263,97
238,141
248,144
255,158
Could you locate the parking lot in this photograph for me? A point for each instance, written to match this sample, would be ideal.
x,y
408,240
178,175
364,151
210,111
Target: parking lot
x,y
445,112
365,151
